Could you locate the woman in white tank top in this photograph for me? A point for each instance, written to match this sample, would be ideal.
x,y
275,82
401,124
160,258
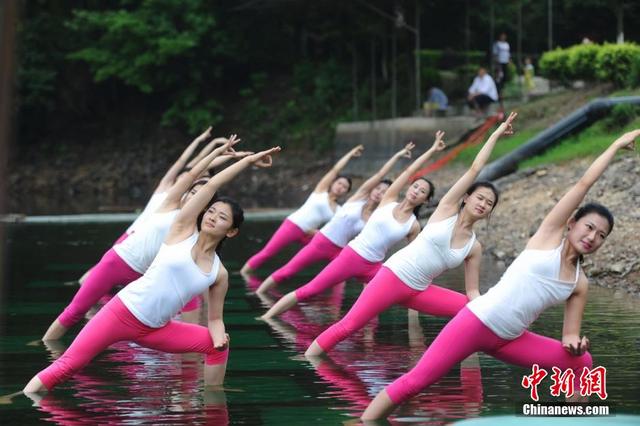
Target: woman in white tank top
x,y
446,241
327,243
128,260
546,273
169,178
315,212
186,265
391,222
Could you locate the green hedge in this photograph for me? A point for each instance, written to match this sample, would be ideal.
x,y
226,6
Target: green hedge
x,y
615,63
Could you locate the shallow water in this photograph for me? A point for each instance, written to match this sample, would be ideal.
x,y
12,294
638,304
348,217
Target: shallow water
x,y
268,382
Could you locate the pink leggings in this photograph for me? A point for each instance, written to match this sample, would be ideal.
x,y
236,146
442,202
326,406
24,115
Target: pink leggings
x,y
466,334
193,304
114,323
108,273
287,233
348,264
121,238
384,290
320,248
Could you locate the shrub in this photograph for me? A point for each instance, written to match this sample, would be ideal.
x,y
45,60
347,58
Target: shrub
x,y
620,116
617,63
554,65
581,61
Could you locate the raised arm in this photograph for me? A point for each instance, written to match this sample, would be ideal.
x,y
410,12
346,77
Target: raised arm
x,y
373,181
325,183
185,221
169,178
450,202
175,193
206,150
401,181
552,227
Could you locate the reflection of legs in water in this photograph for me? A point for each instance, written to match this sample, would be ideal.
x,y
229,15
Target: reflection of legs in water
x,y
320,248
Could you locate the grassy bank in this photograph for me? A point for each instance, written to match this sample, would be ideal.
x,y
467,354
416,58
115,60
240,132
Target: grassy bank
x,y
538,115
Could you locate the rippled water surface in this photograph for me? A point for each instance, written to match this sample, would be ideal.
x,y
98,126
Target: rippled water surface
x,y
268,382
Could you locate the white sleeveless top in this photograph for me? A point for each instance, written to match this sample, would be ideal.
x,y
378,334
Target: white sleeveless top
x,y
172,280
380,233
529,286
429,255
152,205
345,224
315,212
139,250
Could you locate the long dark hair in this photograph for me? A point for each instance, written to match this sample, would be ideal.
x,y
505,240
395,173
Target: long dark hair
x,y
237,215
432,190
598,209
344,177
483,184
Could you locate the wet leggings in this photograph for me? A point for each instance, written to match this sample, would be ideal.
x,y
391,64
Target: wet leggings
x,y
320,248
115,323
384,290
108,273
466,334
348,264
287,233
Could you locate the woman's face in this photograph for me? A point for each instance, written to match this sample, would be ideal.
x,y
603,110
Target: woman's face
x,y
418,192
378,192
217,221
588,233
339,187
480,202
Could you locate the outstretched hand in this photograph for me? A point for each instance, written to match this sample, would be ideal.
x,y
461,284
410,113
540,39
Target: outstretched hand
x,y
228,146
628,140
406,151
263,158
438,143
506,128
357,151
205,135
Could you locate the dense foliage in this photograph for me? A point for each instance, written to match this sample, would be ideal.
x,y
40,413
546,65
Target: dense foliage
x,y
615,63
287,69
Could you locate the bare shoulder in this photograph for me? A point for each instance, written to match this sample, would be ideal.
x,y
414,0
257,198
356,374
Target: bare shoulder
x,y
223,275
582,286
476,249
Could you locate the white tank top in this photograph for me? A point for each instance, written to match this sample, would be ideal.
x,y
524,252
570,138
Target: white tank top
x,y
380,233
429,255
139,250
315,212
345,224
172,280
152,205
529,286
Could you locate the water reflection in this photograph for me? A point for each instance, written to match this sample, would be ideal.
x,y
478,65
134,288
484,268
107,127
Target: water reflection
x,y
268,381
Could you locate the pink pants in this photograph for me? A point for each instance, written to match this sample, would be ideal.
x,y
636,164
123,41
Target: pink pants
x,y
114,323
320,248
348,264
384,290
287,233
108,273
121,238
466,334
193,304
